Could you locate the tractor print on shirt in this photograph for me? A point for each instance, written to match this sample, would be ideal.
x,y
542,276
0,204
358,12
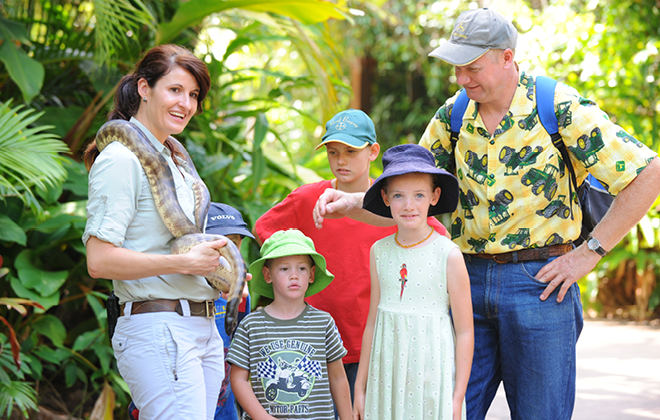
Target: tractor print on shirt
x,y
443,158
468,201
542,181
564,114
627,138
530,121
520,238
587,146
477,166
556,207
457,228
528,82
498,208
479,244
513,160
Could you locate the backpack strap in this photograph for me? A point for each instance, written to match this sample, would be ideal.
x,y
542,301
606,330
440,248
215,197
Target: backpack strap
x,y
457,112
545,105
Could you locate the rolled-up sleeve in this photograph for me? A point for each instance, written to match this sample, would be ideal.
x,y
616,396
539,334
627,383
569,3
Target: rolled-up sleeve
x,y
114,187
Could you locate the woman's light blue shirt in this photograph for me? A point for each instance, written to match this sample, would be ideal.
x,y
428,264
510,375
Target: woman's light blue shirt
x,y
121,210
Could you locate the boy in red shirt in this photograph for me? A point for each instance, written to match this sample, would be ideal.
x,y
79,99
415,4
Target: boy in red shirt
x,y
351,146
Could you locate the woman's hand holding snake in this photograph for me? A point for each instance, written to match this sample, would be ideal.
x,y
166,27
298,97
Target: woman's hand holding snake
x,y
204,257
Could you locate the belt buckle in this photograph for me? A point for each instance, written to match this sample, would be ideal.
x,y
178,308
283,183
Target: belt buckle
x,y
210,309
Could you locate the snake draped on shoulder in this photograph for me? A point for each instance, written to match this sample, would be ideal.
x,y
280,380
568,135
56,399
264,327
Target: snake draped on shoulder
x,y
228,277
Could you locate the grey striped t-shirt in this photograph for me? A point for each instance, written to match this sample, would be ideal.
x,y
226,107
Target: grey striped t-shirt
x,y
287,360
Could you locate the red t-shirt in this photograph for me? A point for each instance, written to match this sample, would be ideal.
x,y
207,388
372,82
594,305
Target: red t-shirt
x,y
345,244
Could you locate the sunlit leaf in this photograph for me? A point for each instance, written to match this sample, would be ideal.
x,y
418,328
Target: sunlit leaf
x,y
192,12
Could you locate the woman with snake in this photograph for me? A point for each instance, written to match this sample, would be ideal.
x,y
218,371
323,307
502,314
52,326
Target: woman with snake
x,y
144,193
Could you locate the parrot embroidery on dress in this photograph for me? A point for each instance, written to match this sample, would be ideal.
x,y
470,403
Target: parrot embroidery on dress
x,y
404,278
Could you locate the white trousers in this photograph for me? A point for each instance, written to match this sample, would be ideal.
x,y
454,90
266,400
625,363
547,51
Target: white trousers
x,y
173,364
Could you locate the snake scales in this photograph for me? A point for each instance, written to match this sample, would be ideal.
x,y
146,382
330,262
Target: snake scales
x,y
228,277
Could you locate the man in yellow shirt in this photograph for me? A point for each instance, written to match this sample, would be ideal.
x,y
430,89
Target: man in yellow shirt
x,y
516,224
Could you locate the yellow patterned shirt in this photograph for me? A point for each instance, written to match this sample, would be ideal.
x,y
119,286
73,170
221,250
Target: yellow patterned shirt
x,y
514,186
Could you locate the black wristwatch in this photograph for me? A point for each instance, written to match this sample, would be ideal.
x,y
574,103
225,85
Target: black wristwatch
x,y
594,245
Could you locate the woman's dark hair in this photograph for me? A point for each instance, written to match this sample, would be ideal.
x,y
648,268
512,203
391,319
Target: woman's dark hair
x,y
156,63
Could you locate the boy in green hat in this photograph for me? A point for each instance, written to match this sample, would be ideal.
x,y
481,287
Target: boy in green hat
x,y
287,357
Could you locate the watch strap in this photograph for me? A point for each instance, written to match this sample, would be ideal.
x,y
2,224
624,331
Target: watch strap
x,y
599,249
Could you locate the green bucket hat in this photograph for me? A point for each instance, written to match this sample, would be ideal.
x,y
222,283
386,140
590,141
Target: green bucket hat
x,y
284,243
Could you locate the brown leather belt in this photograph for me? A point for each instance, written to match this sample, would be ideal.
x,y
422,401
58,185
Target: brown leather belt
x,y
205,309
528,254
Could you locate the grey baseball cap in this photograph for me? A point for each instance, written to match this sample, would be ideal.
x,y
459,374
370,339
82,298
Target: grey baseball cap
x,y
475,32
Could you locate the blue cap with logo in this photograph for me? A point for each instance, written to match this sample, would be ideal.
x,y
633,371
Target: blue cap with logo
x,y
351,127
223,219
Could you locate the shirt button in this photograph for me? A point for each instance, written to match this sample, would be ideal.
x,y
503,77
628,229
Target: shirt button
x,y
491,176
492,142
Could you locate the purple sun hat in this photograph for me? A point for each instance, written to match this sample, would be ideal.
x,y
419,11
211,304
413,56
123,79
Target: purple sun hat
x,y
408,158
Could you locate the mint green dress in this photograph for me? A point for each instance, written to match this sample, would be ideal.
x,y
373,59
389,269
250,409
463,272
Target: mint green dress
x,y
412,369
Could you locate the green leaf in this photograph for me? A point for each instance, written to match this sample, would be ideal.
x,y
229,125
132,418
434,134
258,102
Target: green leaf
x,y
51,327
192,12
11,30
45,283
54,356
86,340
11,232
26,72
46,301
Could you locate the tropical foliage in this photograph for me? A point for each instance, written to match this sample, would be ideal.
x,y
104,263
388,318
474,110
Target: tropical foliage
x,y
280,68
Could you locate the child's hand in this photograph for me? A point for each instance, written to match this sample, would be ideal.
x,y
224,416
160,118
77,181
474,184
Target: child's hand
x,y
358,406
246,291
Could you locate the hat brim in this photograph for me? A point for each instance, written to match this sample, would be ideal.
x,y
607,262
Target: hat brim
x,y
229,230
346,139
373,199
322,276
458,54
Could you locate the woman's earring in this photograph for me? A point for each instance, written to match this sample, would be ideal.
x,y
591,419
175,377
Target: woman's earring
x,y
144,99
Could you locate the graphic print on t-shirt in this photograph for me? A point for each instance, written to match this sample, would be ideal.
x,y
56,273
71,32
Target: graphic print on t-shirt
x,y
288,375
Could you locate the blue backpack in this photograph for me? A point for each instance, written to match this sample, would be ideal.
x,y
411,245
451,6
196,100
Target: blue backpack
x,y
593,198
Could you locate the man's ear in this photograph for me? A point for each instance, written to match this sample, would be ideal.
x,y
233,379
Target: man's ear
x,y
266,272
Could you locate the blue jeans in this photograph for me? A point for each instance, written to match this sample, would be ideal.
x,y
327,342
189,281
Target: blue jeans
x,y
522,341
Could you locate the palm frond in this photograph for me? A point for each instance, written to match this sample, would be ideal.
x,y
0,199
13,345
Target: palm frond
x,y
17,393
29,156
116,22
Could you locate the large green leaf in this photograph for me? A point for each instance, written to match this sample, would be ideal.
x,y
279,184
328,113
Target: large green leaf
x,y
10,231
51,327
26,72
45,283
192,12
